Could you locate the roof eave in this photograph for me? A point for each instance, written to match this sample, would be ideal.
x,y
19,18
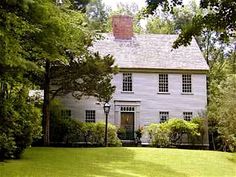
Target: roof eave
x,y
163,70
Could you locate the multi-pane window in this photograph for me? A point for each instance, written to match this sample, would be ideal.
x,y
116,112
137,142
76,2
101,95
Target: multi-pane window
x,y
164,116
187,116
186,83
65,113
127,82
90,116
163,82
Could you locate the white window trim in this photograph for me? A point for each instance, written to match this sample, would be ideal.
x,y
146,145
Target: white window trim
x,y
127,91
183,92
166,82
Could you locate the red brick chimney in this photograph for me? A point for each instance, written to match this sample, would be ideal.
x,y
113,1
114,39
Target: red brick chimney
x,y
122,27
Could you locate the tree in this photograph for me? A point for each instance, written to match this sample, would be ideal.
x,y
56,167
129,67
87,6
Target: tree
x,y
222,114
157,25
19,118
98,15
71,66
221,17
35,37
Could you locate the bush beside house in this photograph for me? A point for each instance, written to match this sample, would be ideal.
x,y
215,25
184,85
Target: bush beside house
x,y
71,132
176,131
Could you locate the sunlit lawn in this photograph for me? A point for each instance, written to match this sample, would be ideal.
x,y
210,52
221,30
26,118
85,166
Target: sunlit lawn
x,y
120,162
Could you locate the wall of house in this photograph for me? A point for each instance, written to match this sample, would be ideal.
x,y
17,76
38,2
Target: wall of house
x,y
145,90
146,99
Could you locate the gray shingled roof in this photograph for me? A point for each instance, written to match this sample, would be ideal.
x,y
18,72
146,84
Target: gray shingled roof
x,y
153,52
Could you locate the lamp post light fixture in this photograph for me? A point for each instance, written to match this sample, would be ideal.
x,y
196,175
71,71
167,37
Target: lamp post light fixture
x,y
106,108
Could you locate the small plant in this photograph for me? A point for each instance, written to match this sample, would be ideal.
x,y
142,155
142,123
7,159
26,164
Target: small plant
x,y
121,133
139,133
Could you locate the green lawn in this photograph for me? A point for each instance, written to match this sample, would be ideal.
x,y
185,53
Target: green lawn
x,y
118,162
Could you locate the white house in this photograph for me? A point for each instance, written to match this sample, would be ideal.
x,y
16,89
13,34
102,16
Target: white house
x,y
155,82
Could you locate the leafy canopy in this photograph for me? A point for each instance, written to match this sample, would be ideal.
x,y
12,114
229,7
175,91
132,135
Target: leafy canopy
x,y
219,16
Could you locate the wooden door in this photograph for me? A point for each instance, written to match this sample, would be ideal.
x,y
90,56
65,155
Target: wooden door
x,y
127,123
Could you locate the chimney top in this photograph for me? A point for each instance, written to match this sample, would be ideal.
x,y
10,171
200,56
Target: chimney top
x,y
122,27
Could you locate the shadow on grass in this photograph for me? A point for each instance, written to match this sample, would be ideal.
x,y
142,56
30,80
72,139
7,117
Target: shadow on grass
x,y
125,165
232,158
84,162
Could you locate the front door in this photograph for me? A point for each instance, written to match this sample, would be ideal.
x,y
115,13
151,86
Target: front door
x,y
127,123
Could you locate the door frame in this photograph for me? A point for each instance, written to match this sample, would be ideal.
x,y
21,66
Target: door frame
x,y
127,103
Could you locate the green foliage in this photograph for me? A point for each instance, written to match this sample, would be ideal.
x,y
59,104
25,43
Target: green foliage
x,y
159,135
93,133
160,26
219,16
202,129
39,35
179,127
225,116
221,108
98,15
69,131
171,132
90,76
20,122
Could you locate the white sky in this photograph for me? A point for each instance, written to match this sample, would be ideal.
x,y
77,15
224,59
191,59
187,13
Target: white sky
x,y
113,3
140,3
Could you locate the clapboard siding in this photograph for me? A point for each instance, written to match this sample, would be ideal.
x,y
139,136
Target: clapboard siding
x,y
145,92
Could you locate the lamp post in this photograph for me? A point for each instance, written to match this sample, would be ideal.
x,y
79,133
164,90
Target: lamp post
x,y
106,108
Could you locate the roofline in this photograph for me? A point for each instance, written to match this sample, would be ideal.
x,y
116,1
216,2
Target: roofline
x,y
160,70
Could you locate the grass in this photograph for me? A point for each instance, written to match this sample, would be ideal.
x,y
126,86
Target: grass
x,y
120,162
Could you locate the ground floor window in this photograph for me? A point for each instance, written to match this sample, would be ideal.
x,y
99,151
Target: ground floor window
x,y
164,116
66,113
90,116
187,116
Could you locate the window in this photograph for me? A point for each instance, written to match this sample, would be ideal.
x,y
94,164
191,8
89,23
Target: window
x,y
187,116
164,116
90,116
127,82
163,82
186,83
66,113
127,109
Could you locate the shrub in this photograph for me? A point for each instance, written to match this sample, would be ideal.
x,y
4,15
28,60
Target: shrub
x,y
20,123
7,146
171,132
201,128
159,135
69,131
179,127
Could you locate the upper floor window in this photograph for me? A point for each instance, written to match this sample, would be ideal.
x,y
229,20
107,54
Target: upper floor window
x,y
187,116
186,83
164,116
127,82
90,116
163,83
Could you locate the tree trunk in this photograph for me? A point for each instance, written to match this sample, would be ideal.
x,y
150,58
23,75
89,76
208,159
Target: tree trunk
x,y
46,112
213,141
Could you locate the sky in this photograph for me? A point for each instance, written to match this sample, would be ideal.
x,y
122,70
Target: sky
x,y
140,3
113,3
